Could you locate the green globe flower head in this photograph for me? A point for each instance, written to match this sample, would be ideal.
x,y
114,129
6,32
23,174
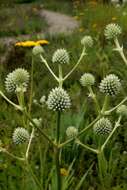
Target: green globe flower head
x,y
58,100
110,85
87,41
102,127
122,110
37,50
112,31
20,135
61,56
17,80
87,79
71,132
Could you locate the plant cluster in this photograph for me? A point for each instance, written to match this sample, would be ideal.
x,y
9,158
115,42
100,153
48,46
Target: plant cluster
x,y
59,101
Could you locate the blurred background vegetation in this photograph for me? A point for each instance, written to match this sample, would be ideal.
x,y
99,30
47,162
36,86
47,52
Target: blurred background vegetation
x,y
22,17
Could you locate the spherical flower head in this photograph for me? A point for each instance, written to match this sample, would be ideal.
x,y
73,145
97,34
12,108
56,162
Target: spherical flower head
x,y
37,50
122,110
58,100
60,56
102,127
20,135
87,79
18,79
112,31
87,41
110,85
71,132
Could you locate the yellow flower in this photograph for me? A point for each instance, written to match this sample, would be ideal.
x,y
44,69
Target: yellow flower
x,y
42,42
31,43
63,172
114,18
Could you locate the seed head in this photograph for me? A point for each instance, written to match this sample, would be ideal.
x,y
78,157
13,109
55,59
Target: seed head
x,y
60,56
87,79
87,41
18,79
103,127
58,100
20,135
112,31
110,85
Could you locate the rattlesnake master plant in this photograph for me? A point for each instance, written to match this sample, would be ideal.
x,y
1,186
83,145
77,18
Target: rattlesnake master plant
x,y
102,127
87,79
58,100
87,41
60,56
112,31
110,85
20,135
19,78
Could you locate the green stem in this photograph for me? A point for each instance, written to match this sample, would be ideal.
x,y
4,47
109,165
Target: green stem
x,y
31,86
35,179
76,65
29,144
58,127
86,146
10,102
89,126
57,152
117,124
94,99
42,132
120,50
113,109
11,155
60,76
105,104
102,165
80,133
50,70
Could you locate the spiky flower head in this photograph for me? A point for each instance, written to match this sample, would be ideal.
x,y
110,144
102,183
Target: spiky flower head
x,y
37,50
110,85
122,110
18,79
20,135
58,100
112,31
60,56
102,127
87,79
87,41
71,131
